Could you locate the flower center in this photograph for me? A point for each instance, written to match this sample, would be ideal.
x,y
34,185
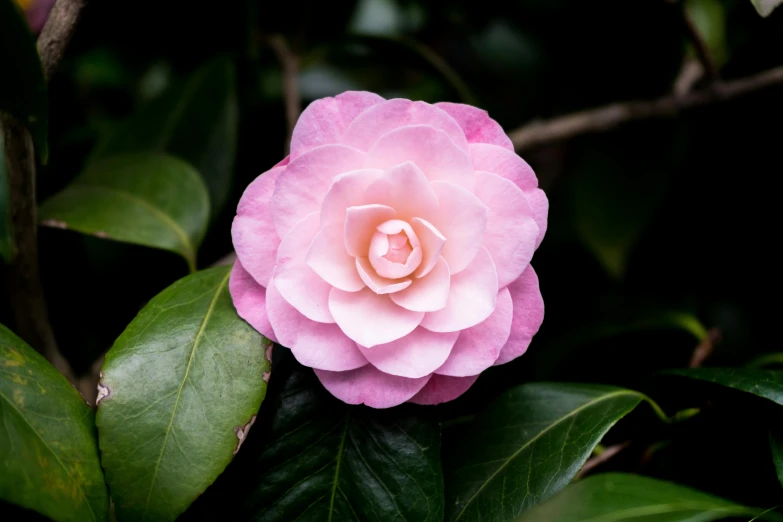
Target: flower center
x,y
395,251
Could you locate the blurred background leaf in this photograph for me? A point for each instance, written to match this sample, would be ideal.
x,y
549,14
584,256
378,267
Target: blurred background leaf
x,y
6,241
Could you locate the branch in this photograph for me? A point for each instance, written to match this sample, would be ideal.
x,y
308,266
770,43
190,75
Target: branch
x,y
24,282
605,118
289,62
705,348
601,458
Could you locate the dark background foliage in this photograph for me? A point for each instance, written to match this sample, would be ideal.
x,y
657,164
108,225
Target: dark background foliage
x,y
653,224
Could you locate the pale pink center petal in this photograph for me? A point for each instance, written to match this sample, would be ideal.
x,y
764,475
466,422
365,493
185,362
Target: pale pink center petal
x,y
462,221
376,283
328,258
407,189
347,190
395,250
429,293
371,319
361,223
432,243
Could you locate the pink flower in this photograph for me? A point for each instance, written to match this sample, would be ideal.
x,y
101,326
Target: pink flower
x,y
391,251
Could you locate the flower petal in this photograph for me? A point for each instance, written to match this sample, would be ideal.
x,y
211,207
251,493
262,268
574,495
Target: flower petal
x,y
370,386
528,315
478,347
430,149
540,204
462,221
504,163
384,117
253,230
441,388
328,258
477,125
376,283
324,121
360,225
249,299
405,188
429,293
432,243
371,319
347,190
472,297
511,231
301,187
417,354
317,345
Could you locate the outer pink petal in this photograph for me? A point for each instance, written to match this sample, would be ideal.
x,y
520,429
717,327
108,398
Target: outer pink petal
x,y
477,125
472,297
405,188
511,230
442,388
300,189
317,345
376,121
250,300
371,319
504,163
540,204
360,225
430,149
253,231
347,190
328,258
528,315
416,355
462,221
478,347
370,386
428,294
324,121
432,243
298,283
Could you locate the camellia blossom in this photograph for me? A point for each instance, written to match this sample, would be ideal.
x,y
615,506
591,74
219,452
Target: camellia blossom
x,y
391,250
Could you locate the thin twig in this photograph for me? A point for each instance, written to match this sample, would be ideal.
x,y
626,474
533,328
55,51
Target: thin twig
x,y
601,458
605,118
24,282
289,62
705,348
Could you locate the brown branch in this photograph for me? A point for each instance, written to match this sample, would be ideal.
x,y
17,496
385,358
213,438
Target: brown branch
x,y
24,282
289,62
603,457
705,348
605,118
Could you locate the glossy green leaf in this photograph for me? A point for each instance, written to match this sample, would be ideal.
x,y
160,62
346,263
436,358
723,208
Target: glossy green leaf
x,y
709,18
48,453
312,458
764,383
197,121
149,199
180,389
527,445
776,446
619,497
6,240
765,7
25,96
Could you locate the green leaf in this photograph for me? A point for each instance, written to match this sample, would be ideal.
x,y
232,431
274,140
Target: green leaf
x,y
776,446
149,199
764,383
620,497
316,459
197,122
25,96
180,389
709,18
527,445
48,453
7,246
765,7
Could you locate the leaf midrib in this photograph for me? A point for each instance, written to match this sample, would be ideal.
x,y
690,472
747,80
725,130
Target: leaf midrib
x,y
59,461
538,436
336,478
196,342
